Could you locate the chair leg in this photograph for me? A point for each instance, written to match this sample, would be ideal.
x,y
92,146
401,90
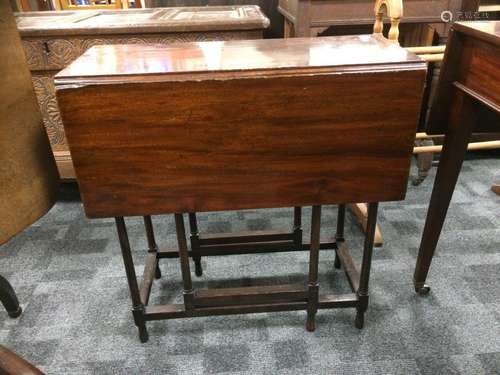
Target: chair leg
x,y
313,286
137,305
152,246
195,244
339,235
9,299
366,265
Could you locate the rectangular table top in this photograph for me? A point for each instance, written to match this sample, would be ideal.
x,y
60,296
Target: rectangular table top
x,y
233,125
335,53
134,21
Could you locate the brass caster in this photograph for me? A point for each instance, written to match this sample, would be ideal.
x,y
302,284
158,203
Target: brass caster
x,y
423,290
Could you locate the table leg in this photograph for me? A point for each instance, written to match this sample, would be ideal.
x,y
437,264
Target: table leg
x,y
313,286
452,156
184,261
152,246
364,276
137,306
9,299
339,235
297,226
195,243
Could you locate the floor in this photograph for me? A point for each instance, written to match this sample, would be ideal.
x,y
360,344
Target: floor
x,y
69,276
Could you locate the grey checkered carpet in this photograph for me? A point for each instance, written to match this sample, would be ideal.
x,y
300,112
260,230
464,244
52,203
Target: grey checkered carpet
x,y
68,273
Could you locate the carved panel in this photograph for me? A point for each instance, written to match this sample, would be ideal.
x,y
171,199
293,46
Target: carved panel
x,y
48,55
45,93
55,53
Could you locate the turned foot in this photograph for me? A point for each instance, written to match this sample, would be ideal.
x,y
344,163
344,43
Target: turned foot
x,y
311,323
337,263
359,322
198,269
157,272
143,334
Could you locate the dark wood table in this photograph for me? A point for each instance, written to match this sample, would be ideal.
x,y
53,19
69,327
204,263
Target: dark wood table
x,y
467,100
215,126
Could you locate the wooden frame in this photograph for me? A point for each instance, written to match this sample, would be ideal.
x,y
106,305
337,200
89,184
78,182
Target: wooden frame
x,y
253,299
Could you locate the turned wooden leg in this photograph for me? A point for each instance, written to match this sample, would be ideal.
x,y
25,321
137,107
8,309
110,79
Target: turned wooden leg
x,y
152,246
195,244
137,305
339,235
297,226
313,286
364,276
450,163
184,262
9,298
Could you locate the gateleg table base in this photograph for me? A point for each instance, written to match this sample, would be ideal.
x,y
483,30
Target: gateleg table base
x,y
254,299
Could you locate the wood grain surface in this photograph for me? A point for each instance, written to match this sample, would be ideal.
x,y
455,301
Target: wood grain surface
x,y
225,140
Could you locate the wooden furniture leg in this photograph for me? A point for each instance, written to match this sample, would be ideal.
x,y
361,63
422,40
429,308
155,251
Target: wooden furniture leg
x,y
12,364
137,305
184,261
297,226
9,299
360,210
313,286
454,149
364,277
496,188
195,243
339,235
152,246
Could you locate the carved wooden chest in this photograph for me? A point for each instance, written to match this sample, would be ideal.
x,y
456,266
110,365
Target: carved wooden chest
x,y
52,40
